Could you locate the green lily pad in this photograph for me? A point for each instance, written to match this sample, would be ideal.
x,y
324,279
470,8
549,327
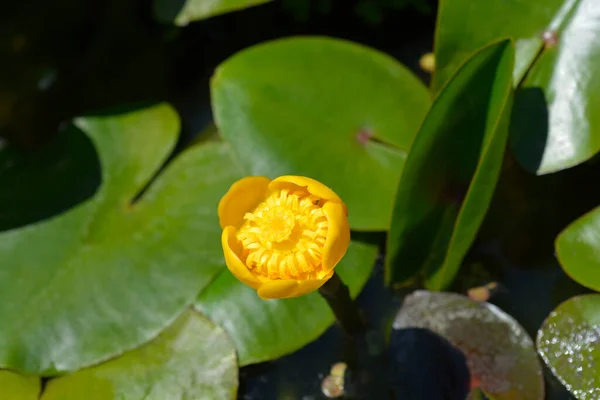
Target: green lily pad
x,y
18,387
500,354
182,12
110,274
192,359
267,329
555,125
451,171
569,343
578,250
333,110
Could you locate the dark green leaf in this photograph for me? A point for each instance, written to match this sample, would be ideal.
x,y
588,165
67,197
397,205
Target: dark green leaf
x,y
192,359
267,329
578,250
18,387
182,12
109,275
569,343
500,354
555,125
451,170
333,110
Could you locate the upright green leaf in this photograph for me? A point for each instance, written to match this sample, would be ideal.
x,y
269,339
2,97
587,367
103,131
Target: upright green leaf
x,y
263,330
336,111
451,171
109,274
182,12
569,343
555,121
192,359
578,250
500,354
18,387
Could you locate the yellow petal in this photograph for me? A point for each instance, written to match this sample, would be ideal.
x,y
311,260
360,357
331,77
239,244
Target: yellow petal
x,y
242,197
314,187
338,235
232,260
285,289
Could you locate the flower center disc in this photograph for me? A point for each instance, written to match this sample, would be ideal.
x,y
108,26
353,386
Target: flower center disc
x,y
284,236
277,224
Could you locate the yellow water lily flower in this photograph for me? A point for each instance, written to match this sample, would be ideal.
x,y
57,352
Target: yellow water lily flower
x,y
283,237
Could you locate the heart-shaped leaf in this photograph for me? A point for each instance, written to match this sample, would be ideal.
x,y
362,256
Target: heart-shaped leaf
x,y
578,250
555,125
500,354
267,329
182,12
192,359
451,171
18,387
109,275
569,343
333,110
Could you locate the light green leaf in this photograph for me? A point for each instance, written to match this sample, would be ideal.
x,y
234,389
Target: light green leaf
x,y
500,354
555,124
192,359
18,387
109,274
569,343
182,12
451,171
578,250
267,329
333,110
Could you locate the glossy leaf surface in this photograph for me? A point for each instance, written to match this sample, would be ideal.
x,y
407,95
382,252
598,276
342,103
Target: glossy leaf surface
x,y
333,110
451,171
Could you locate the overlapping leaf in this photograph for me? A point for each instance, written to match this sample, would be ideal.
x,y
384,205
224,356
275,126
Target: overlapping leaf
x,y
451,171
500,354
325,108
578,250
18,387
569,343
108,275
555,125
192,359
182,12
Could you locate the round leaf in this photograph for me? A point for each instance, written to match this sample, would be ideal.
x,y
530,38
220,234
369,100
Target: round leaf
x,y
569,343
578,250
18,387
451,171
267,329
192,359
500,354
109,275
333,110
555,125
182,12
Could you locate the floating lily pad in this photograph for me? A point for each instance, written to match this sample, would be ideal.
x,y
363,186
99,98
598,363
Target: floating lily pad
x,y
557,53
182,12
333,110
18,387
267,329
110,274
569,343
451,171
578,250
192,359
500,354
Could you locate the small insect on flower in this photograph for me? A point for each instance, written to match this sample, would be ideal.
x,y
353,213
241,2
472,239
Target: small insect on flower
x,y
283,237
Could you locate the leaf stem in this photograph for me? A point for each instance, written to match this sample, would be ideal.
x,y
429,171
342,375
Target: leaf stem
x,y
346,311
